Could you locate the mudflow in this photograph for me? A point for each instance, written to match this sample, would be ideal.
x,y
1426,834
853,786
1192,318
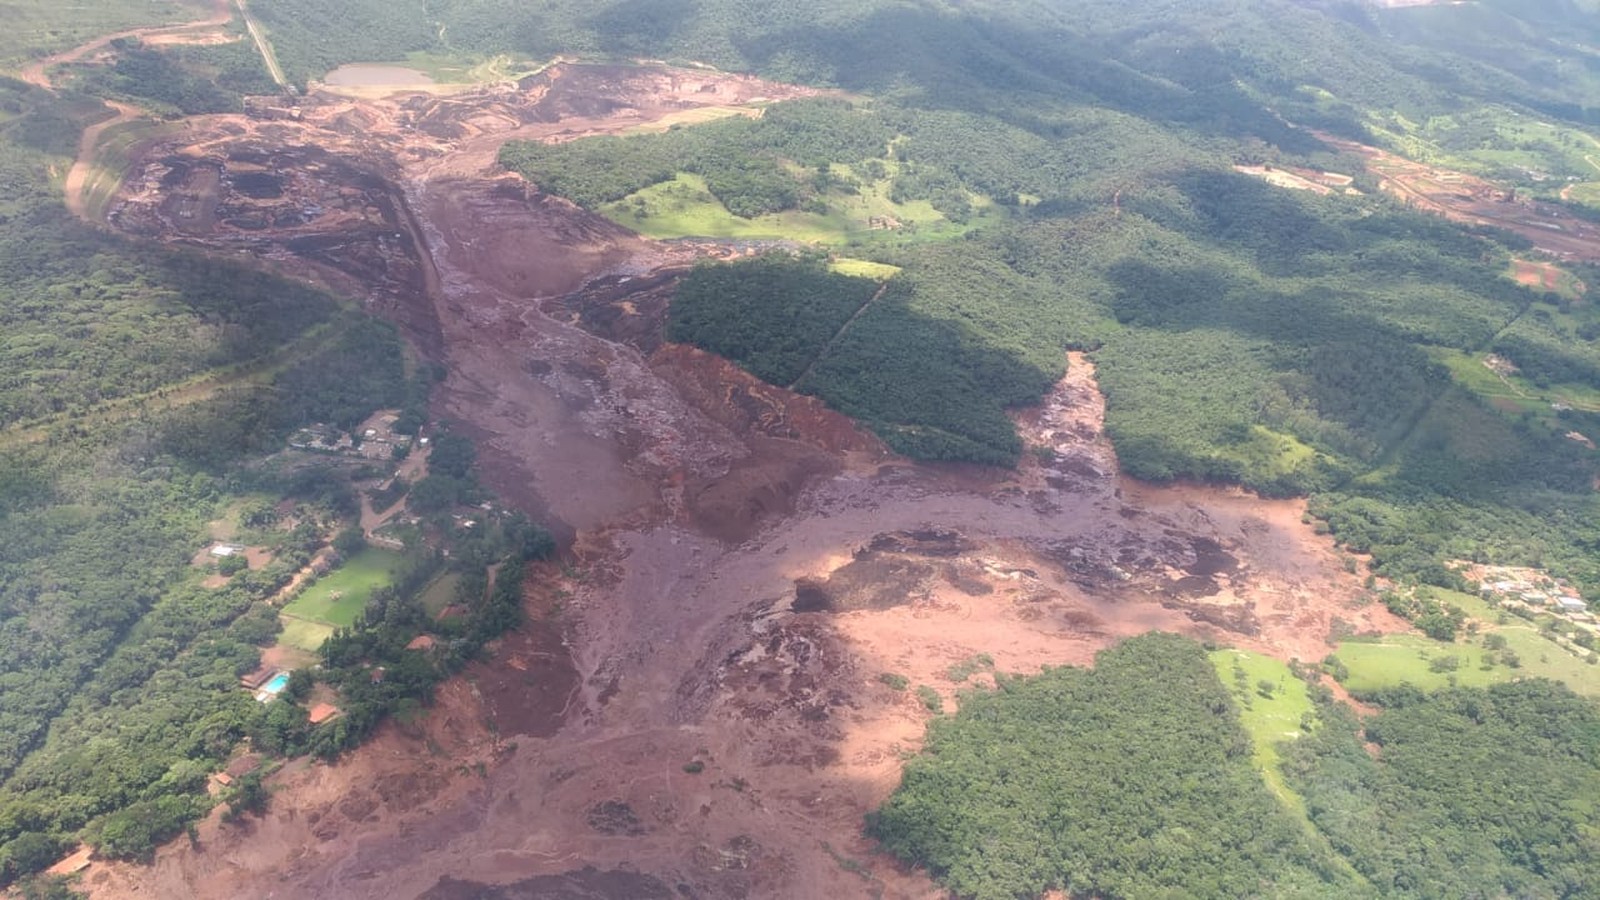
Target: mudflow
x,y
696,710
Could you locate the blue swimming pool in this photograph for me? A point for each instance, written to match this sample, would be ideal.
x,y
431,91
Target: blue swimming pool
x,y
278,682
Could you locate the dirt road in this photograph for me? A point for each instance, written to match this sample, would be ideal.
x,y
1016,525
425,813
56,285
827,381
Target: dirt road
x,y
37,72
263,46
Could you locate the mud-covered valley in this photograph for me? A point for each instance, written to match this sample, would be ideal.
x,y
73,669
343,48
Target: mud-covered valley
x,y
696,710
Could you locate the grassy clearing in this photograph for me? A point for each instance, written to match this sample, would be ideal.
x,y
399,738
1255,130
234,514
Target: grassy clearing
x,y
1513,393
1413,659
1270,719
338,598
684,207
695,116
862,268
1273,453
1567,284
303,634
440,592
1501,144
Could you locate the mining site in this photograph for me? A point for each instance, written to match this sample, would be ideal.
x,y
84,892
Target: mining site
x,y
696,709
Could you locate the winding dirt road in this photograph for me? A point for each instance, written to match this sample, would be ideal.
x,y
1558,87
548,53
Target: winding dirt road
x,y
37,72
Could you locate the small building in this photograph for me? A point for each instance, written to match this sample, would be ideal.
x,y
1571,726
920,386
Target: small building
x,y
322,712
386,541
223,551
256,679
1571,604
239,767
421,642
1535,598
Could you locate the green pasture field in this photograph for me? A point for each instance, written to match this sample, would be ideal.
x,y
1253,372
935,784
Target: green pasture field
x,y
1502,144
338,598
684,207
1269,720
862,268
1397,659
1513,393
303,634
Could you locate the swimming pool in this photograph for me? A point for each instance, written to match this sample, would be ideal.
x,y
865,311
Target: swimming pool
x,y
274,687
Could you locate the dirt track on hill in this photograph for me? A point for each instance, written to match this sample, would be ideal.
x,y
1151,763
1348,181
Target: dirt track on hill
x,y
696,709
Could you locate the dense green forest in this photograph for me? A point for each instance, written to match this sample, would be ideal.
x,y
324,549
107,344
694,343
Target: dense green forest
x,y
773,315
145,397
742,160
1206,65
179,80
1133,780
1471,793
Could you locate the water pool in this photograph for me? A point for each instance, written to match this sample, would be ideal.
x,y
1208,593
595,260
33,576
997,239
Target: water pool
x,y
278,683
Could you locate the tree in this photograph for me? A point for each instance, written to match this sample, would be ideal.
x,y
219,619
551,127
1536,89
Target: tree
x,y
350,541
250,795
29,852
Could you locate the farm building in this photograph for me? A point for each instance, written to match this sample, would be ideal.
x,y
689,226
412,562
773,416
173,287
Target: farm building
x,y
1571,604
256,679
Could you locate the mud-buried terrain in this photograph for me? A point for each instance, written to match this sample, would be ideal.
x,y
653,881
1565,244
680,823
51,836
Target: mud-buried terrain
x,y
698,710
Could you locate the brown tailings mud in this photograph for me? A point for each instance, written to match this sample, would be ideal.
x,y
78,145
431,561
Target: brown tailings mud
x,y
697,709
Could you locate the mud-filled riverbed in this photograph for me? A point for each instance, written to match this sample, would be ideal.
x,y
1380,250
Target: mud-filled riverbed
x,y
699,711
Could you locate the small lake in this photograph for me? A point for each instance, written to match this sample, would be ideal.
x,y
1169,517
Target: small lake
x,y
368,75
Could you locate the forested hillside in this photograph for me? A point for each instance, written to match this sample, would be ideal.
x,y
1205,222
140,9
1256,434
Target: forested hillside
x,y
1244,333
146,396
1133,780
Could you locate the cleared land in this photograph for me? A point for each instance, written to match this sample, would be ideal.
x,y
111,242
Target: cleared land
x,y
1429,664
1270,715
338,598
684,207
1472,200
